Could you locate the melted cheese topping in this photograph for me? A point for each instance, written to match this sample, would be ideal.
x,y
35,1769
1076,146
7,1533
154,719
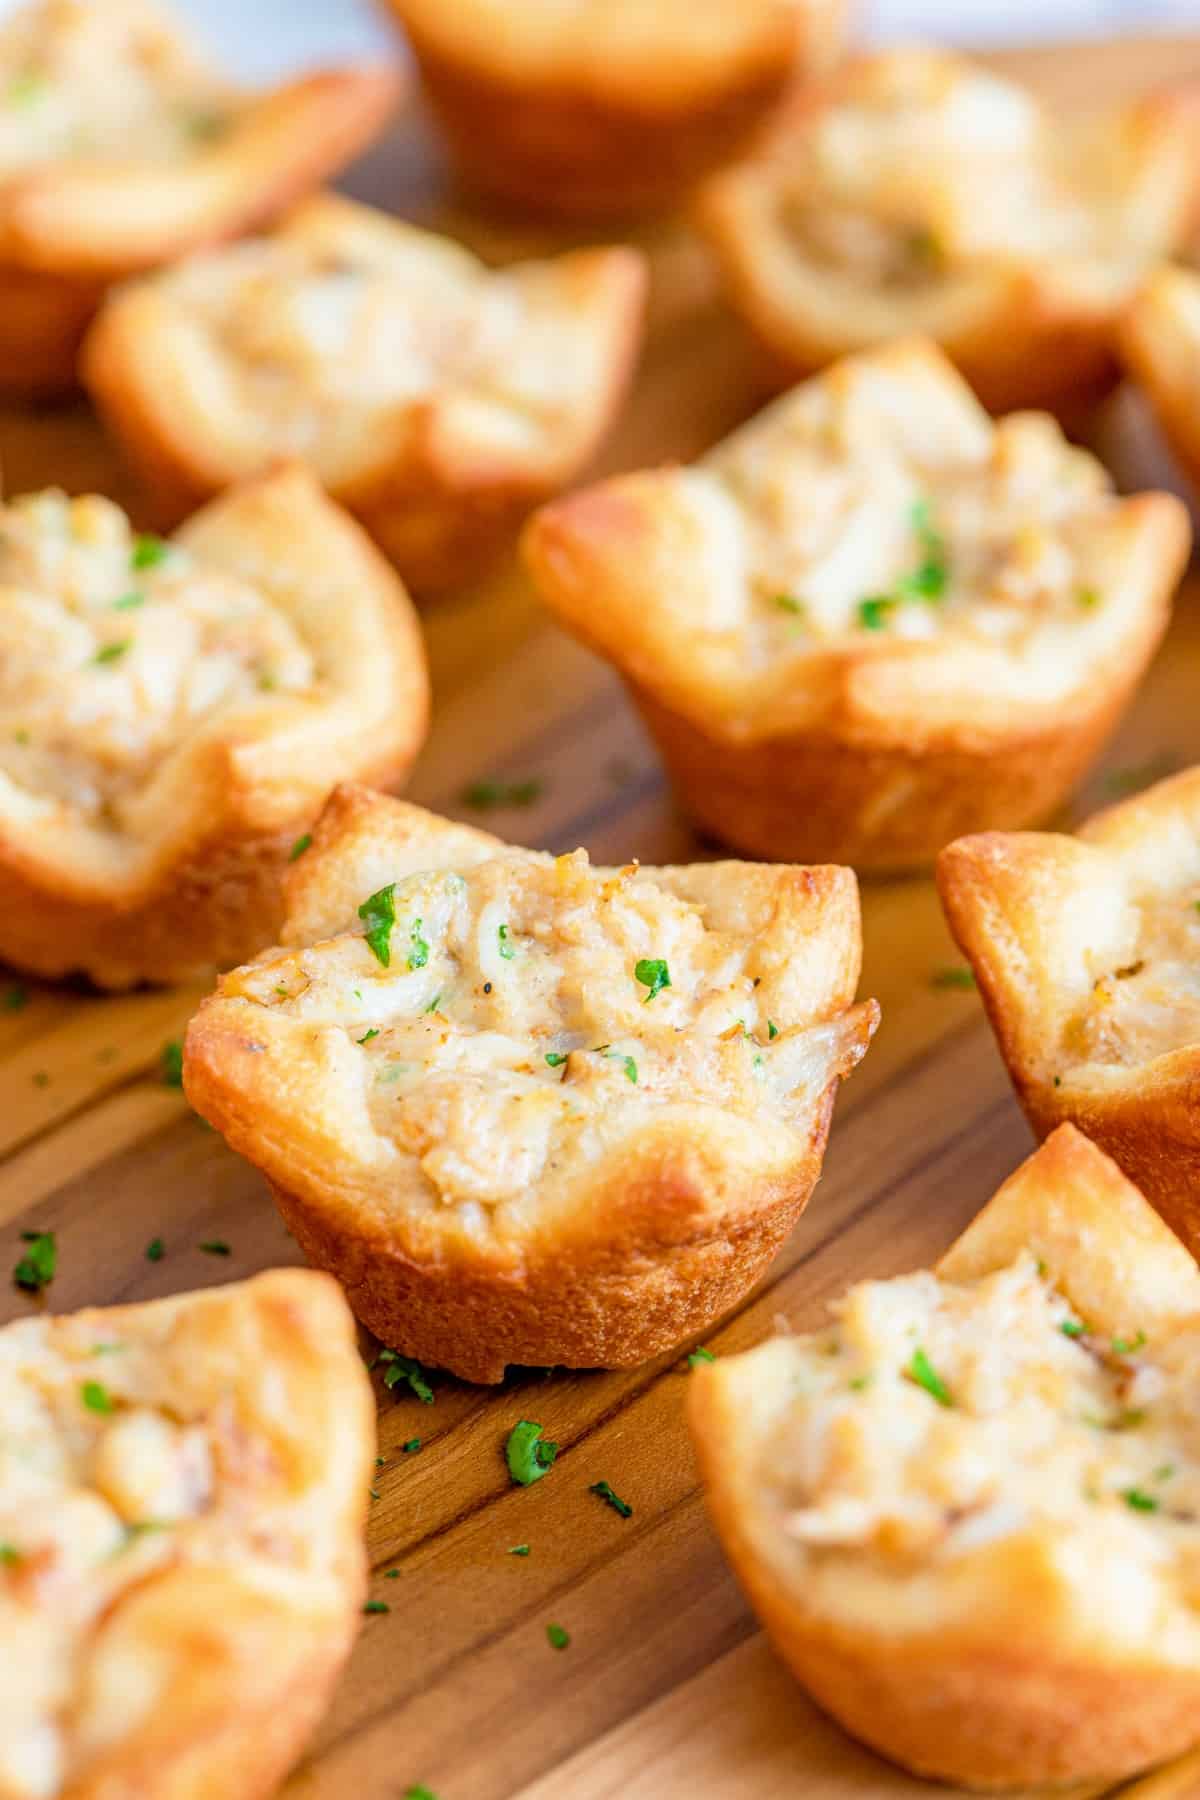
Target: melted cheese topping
x,y
109,80
515,1030
318,333
113,647
851,507
927,166
1149,1002
1091,1443
122,1457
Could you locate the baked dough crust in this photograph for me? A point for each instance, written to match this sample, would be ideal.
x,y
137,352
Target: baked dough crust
x,y
940,1583
504,1147
436,399
871,615
1160,341
609,108
173,157
1087,954
920,193
140,843
184,1567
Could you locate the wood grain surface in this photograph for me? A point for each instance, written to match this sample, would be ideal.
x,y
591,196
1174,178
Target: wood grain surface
x,y
667,1688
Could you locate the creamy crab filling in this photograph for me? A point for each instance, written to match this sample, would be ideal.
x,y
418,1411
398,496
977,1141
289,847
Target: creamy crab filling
x,y
525,1015
113,82
1147,1001
102,1483
934,1419
114,646
313,337
845,531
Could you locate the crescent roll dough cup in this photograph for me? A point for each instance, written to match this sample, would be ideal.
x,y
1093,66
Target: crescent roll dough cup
x,y
182,1495
871,615
120,149
1161,345
437,399
173,714
967,1509
921,194
612,107
1087,954
569,1117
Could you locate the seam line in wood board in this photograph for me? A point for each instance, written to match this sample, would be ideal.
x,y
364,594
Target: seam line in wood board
x,y
552,737
606,812
86,1105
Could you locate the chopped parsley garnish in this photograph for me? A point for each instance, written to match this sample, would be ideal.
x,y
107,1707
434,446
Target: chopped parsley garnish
x,y
215,1247
368,1035
41,1078
148,551
418,949
630,1068
155,1250
772,1030
111,653
9,1554
922,1371
1140,775
1127,1346
1087,598
96,1397
1165,1472
518,1550
36,1268
376,1606
378,913
170,1063
603,1492
1072,1328
700,1355
654,976
391,1575
506,948
411,1447
555,1060
859,1384
484,796
14,999
419,1792
400,1369
874,611
788,603
558,1637
528,1455
434,1004
955,976
27,88
1139,1501
301,844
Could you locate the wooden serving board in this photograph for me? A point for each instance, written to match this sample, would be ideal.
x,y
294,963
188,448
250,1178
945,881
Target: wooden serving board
x,y
667,1688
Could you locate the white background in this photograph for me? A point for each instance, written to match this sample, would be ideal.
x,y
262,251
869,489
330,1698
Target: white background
x,y
266,37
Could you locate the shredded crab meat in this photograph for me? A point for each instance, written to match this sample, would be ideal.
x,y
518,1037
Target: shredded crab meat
x,y
1147,1001
934,1418
112,82
513,1031
114,647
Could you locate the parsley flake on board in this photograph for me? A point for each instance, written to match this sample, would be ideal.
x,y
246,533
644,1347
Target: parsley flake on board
x,y
922,1371
528,1455
654,976
955,976
148,551
419,1792
215,1247
302,843
518,1550
398,1369
558,1637
378,914
129,602
36,1268
411,1447
376,1606
96,1397
485,796
16,998
155,1250
603,1492
170,1063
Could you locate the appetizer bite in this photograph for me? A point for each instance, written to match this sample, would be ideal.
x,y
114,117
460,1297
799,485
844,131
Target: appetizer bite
x,y
919,192
871,618
173,714
1161,344
527,1110
610,107
1087,954
182,1490
967,1510
437,399
120,148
